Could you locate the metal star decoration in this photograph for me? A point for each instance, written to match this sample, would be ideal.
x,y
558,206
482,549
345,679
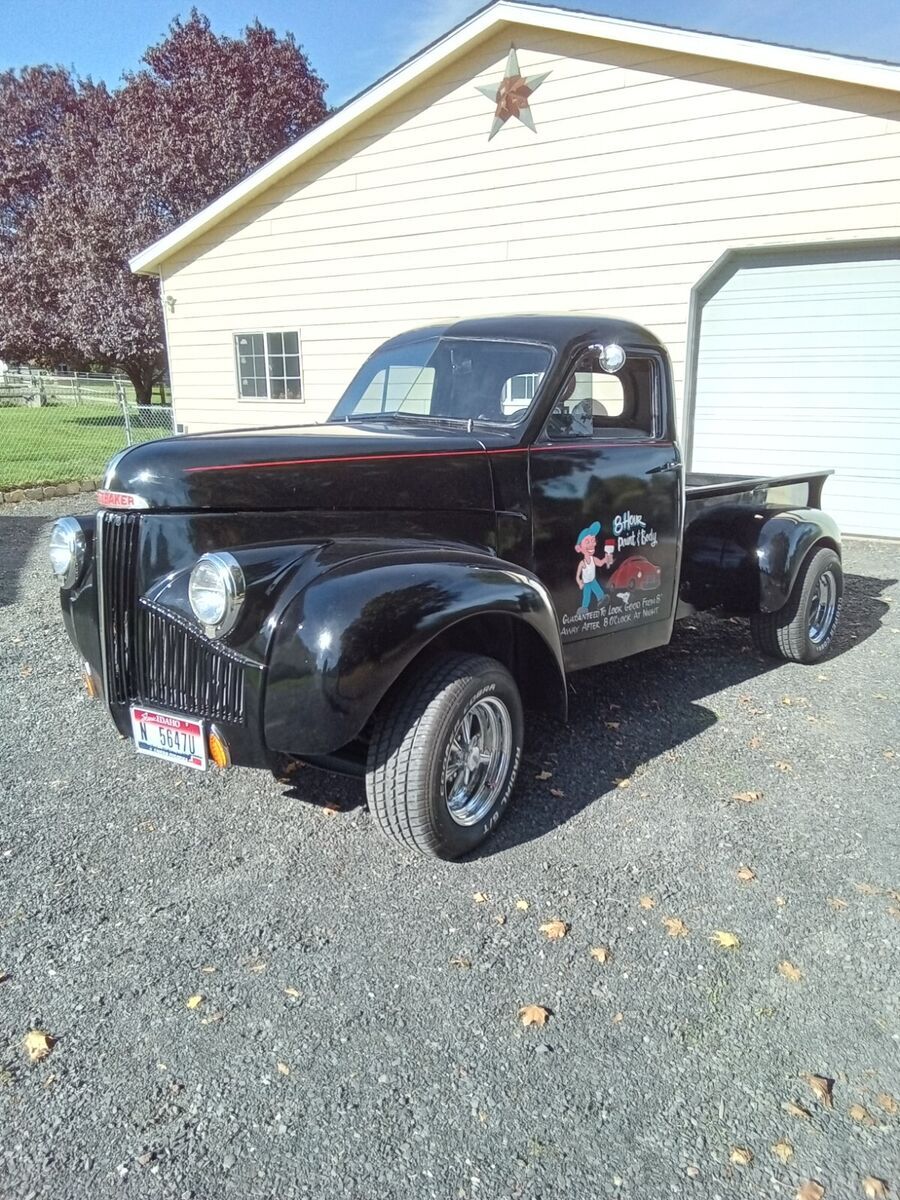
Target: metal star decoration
x,y
511,94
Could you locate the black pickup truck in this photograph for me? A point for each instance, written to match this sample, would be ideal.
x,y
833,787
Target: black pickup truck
x,y
492,505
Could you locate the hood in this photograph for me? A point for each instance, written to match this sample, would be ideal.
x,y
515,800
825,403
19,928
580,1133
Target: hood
x,y
333,466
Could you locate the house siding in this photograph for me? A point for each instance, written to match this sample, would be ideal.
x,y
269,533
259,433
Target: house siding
x,y
644,170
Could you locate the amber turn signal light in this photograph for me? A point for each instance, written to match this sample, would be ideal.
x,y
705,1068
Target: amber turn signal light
x,y
218,749
90,682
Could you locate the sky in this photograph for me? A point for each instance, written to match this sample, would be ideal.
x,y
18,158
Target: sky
x,y
353,42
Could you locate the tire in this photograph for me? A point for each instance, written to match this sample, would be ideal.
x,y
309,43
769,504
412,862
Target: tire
x,y
414,746
804,629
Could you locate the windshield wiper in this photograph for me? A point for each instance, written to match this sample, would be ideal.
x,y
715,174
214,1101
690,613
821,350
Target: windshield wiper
x,y
399,415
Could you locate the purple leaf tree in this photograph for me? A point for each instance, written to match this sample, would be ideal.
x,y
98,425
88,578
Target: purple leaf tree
x,y
89,176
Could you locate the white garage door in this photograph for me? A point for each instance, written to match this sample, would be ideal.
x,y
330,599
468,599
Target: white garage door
x,y
799,367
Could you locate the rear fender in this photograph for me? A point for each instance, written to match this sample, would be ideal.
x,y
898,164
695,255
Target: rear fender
x,y
344,639
785,542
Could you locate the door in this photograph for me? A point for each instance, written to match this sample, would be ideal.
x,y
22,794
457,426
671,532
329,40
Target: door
x,y
606,497
798,369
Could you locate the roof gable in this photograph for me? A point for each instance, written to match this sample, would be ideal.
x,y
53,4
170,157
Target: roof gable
x,y
475,29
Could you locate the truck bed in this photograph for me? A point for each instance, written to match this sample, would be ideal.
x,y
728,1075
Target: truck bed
x,y
801,490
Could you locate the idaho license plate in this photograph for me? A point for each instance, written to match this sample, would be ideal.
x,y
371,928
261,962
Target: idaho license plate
x,y
176,739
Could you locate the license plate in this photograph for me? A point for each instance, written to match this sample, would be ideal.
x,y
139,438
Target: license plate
x,y
179,740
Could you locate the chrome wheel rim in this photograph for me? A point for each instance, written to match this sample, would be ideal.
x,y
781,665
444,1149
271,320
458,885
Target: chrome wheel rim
x,y
822,608
476,765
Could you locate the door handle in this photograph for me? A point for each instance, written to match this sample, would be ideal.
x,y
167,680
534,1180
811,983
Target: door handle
x,y
674,465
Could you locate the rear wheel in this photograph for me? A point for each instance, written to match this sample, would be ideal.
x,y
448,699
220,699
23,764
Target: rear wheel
x,y
444,754
804,629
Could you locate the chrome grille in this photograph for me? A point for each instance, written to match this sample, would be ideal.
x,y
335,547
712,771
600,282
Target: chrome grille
x,y
118,535
151,654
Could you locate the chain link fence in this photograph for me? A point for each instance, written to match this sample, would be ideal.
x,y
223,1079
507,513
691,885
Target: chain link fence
x,y
57,429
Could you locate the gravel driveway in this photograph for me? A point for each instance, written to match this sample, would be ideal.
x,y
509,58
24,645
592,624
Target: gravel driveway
x,y
357,1034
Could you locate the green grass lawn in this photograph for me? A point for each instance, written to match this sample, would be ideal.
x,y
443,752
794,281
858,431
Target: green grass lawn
x,y
57,444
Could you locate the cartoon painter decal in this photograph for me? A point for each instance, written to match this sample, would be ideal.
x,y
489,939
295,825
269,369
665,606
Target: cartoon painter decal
x,y
634,587
586,575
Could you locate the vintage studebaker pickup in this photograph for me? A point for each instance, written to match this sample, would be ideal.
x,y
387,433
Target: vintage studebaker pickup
x,y
492,505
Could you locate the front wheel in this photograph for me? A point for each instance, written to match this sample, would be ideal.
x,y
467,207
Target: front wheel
x,y
804,629
444,754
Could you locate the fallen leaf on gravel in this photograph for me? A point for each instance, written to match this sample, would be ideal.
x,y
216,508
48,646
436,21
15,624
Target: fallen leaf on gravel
x,y
887,1102
614,725
675,927
647,902
821,1087
781,765
601,954
874,1188
725,940
780,901
837,903
543,775
754,743
554,930
741,1156
618,1018
213,1019
810,1190
783,1150
459,961
624,782
38,1044
499,919
26,671
860,1113
194,1001
331,810
208,969
557,792
867,889
888,754
292,992
892,911
746,875
796,1110
747,797
283,1068
534,1014
522,905
789,971
480,897
692,1172
257,967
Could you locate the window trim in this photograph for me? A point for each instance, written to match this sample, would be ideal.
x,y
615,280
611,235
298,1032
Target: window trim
x,y
264,333
614,433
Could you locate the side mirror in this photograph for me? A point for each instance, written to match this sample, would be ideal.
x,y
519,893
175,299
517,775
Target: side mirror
x,y
611,357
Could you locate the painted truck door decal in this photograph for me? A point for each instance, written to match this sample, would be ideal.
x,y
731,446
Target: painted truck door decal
x,y
624,584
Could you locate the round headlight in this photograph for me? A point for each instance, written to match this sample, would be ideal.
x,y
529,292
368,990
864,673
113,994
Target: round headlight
x,y
68,549
216,592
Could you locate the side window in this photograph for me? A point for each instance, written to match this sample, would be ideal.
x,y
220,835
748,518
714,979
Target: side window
x,y
596,404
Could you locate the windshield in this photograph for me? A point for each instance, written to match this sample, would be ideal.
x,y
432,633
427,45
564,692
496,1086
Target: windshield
x,y
454,378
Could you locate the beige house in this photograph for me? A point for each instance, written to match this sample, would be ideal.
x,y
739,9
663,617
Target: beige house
x,y
739,199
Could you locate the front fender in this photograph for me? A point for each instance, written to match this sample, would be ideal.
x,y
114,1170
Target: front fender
x,y
784,542
343,640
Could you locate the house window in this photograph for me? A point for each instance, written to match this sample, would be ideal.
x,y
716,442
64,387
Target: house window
x,y
268,366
